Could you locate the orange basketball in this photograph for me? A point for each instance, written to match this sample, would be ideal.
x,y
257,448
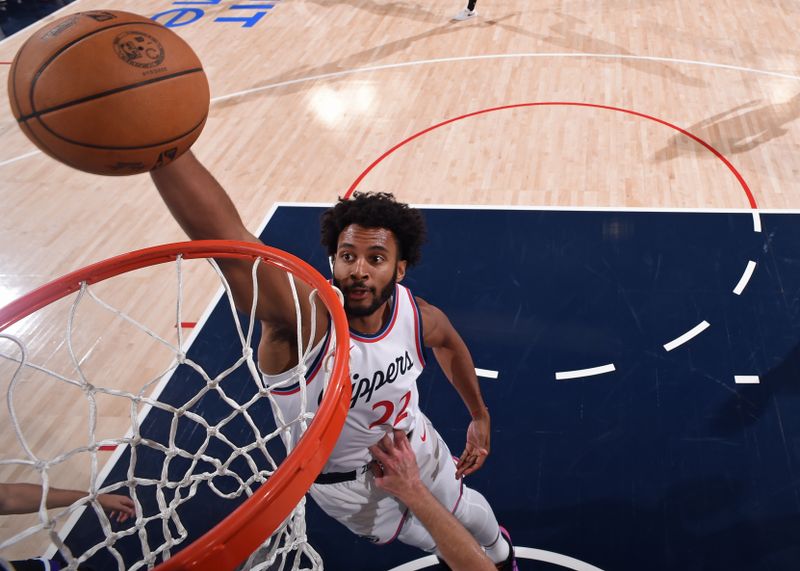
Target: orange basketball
x,y
109,92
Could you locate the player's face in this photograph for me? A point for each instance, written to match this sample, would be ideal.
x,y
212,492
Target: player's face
x,y
366,268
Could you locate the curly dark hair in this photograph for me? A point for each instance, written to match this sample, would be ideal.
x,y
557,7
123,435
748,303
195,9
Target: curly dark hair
x,y
376,210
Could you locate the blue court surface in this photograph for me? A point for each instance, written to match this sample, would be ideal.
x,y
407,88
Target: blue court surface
x,y
665,462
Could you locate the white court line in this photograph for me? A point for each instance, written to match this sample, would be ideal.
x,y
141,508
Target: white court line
x,y
747,379
486,373
522,553
756,221
19,158
580,373
743,281
548,208
692,333
342,73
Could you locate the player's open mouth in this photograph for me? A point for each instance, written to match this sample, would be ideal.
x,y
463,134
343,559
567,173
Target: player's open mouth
x,y
358,293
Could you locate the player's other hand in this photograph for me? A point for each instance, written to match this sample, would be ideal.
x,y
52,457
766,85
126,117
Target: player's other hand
x,y
118,507
477,449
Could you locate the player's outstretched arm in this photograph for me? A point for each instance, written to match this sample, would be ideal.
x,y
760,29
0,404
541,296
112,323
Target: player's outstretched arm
x,y
205,212
397,473
26,498
455,360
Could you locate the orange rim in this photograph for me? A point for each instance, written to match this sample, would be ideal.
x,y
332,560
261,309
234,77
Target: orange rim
x,y
233,539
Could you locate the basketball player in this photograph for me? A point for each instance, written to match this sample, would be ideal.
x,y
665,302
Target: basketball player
x,y
372,240
468,12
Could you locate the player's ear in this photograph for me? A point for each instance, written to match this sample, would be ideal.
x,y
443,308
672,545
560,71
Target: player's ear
x,y
401,270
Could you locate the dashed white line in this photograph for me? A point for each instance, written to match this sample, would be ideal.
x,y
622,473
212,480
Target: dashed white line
x,y
748,273
580,373
688,336
747,379
756,221
486,373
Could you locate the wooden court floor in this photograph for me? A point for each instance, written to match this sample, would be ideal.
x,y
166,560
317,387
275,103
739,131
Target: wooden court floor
x,y
669,104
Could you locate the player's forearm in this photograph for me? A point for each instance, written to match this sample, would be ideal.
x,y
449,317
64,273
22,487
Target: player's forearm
x,y
456,362
455,544
26,498
198,202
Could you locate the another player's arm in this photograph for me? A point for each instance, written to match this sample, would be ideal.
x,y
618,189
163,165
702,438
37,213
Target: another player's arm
x,y
396,472
26,498
205,212
455,360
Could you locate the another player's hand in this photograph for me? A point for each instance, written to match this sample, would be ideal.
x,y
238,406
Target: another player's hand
x,y
477,448
118,507
396,470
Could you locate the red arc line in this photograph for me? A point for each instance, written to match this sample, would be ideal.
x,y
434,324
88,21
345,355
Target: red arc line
x,y
695,138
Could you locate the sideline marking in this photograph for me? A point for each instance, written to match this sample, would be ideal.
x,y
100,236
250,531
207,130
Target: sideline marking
x,y
581,373
691,334
743,281
486,373
522,553
747,379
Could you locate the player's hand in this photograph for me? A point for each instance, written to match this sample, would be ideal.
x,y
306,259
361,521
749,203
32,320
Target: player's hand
x,y
477,448
118,507
395,469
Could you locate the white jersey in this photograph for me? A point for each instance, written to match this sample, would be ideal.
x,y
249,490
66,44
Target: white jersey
x,y
383,371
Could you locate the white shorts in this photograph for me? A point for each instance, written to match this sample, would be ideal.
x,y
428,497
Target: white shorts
x,y
370,512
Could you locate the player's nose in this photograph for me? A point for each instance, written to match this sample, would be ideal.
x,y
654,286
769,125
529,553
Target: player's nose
x,y
359,269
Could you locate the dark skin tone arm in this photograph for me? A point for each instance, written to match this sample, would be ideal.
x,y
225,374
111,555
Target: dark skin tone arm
x,y
205,212
455,360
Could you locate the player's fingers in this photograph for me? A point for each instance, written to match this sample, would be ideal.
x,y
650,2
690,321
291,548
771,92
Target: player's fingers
x,y
401,440
476,465
377,469
378,452
463,464
384,444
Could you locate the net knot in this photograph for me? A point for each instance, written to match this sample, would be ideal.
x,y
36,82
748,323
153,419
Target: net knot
x,y
248,352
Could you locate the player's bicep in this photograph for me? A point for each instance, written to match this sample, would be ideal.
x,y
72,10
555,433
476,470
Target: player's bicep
x,y
281,296
437,331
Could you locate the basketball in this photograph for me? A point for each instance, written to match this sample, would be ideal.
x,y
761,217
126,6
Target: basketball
x,y
109,92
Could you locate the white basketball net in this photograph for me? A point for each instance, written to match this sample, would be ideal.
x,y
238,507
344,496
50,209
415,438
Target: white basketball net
x,y
234,473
